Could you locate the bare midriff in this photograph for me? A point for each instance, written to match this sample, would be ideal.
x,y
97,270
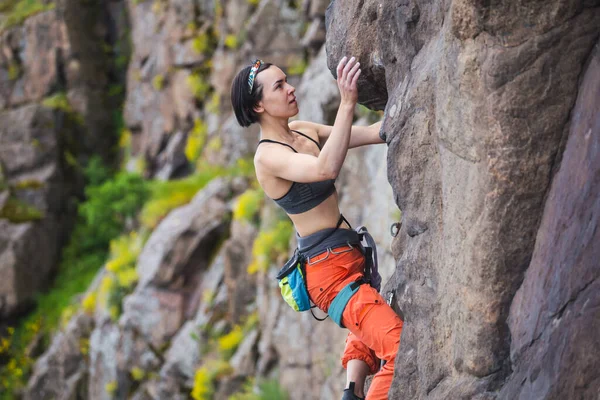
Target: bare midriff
x,y
323,216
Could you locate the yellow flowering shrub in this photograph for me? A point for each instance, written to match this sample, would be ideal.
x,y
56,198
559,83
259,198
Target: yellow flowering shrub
x,y
89,303
229,342
196,139
231,42
121,274
205,377
203,388
84,346
248,205
111,387
198,85
138,374
269,245
158,82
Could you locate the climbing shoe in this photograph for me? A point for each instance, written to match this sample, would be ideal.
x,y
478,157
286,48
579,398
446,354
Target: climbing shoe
x,y
349,393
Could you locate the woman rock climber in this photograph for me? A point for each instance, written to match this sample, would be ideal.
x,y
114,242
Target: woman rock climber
x,y
296,165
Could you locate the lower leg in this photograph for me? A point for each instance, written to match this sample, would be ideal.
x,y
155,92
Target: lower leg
x,y
357,371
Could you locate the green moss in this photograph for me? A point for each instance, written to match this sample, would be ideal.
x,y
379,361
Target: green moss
x,y
17,11
28,184
158,82
298,67
264,390
14,71
166,196
195,141
58,101
17,211
271,243
198,85
248,205
231,42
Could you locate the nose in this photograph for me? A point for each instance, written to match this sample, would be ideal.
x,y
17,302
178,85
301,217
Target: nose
x,y
291,89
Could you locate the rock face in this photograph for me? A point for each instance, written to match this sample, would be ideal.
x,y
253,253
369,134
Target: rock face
x,y
479,106
53,55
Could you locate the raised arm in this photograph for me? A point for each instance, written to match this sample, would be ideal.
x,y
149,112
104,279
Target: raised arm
x,y
296,167
359,135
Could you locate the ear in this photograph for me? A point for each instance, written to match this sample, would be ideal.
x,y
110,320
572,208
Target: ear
x,y
259,109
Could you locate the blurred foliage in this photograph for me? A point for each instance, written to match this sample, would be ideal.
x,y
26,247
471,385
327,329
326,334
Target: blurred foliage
x,y
17,211
158,82
111,201
59,101
121,275
196,139
248,205
198,85
298,67
204,378
167,195
17,11
14,71
270,244
264,390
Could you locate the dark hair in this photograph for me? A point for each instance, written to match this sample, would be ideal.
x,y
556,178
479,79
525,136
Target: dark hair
x,y
243,102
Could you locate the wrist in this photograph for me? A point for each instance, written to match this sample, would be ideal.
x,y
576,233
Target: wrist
x,y
347,105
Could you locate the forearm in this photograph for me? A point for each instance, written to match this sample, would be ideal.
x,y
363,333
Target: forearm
x,y
357,371
335,149
365,135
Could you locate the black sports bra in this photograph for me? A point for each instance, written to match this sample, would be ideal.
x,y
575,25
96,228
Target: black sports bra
x,y
303,197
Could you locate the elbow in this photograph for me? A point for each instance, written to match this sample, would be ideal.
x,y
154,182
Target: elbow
x,y
329,173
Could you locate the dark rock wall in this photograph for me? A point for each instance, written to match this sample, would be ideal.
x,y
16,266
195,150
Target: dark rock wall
x,y
555,315
478,99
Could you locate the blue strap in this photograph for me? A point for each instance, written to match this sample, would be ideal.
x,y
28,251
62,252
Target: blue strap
x,y
338,305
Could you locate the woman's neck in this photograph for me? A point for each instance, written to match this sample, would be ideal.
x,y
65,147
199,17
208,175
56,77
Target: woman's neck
x,y
275,129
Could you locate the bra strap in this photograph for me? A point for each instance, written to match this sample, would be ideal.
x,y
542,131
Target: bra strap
x,y
274,141
308,137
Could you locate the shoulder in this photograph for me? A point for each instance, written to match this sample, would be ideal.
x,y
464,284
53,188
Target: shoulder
x,y
308,128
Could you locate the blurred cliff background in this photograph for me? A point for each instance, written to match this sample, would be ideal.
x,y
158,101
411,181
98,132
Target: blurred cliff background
x,y
137,253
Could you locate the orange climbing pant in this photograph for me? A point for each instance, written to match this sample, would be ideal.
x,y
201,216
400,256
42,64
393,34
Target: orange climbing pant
x,y
374,327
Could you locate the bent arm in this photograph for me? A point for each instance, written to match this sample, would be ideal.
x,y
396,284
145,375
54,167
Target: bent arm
x,y
298,167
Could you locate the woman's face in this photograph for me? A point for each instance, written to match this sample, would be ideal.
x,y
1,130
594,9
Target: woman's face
x,y
278,96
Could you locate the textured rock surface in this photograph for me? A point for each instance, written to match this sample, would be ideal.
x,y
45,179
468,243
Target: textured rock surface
x,y
555,315
57,52
30,153
62,372
172,247
478,105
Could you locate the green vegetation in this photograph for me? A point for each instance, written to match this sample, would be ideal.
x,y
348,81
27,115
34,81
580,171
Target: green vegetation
x,y
167,195
231,42
195,141
298,67
264,390
198,85
17,211
17,11
270,244
101,218
158,82
248,205
121,275
14,72
59,101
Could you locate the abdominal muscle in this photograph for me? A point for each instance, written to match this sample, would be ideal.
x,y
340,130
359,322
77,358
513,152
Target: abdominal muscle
x,y
325,215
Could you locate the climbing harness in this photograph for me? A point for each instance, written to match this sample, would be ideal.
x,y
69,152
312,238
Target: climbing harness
x,y
292,277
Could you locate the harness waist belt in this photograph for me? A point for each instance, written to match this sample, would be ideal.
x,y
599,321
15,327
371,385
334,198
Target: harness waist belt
x,y
338,305
325,239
